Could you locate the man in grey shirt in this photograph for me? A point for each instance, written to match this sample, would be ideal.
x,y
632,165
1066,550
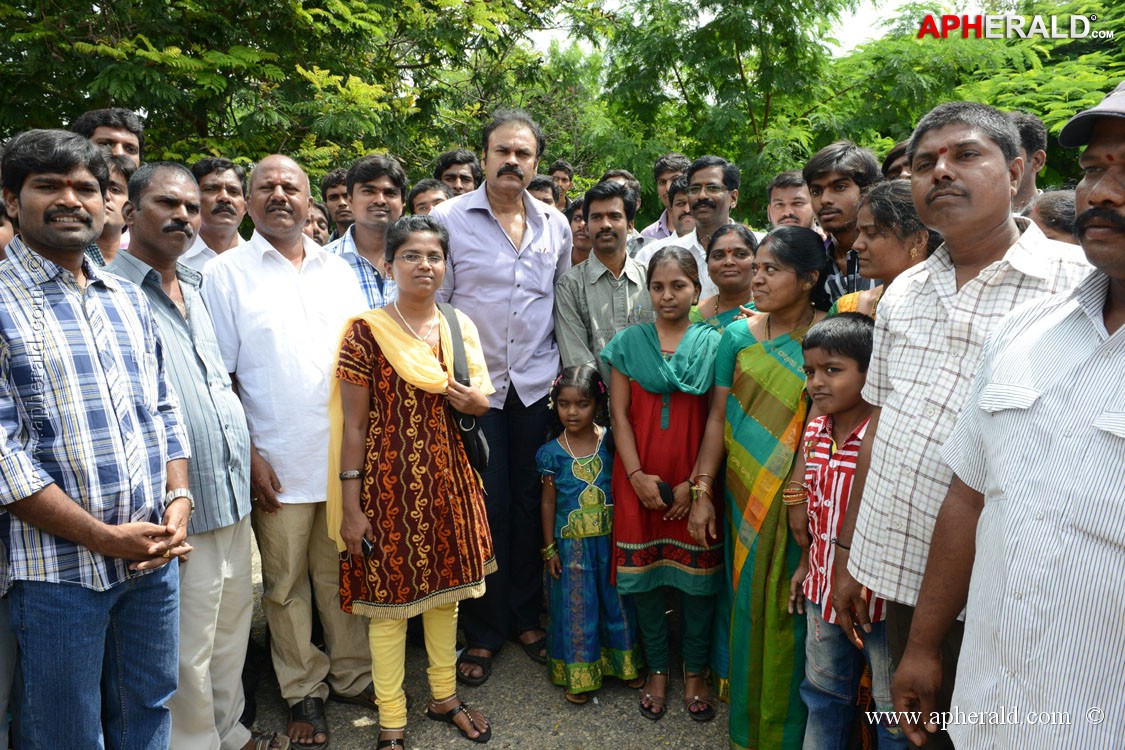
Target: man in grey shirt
x,y
606,292
163,214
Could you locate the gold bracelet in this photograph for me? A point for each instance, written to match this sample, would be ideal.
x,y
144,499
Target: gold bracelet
x,y
801,501
697,477
549,551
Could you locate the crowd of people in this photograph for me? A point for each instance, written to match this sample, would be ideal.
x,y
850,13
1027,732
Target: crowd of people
x,y
871,453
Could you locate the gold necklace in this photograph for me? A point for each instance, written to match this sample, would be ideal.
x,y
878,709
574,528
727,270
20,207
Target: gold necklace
x,y
410,328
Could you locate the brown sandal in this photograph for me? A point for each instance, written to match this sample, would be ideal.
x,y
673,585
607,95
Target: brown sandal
x,y
699,707
652,706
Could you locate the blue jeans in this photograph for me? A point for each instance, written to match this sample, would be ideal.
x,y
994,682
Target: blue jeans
x,y
97,667
833,668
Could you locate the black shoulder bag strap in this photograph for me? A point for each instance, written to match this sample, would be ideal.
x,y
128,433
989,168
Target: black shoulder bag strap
x,y
460,362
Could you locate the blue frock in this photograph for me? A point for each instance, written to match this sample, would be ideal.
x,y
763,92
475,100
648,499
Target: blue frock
x,y
592,632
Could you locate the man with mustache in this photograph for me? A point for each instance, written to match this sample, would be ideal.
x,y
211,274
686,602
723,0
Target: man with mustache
x,y
506,251
789,201
278,304
679,208
377,188
460,170
93,467
163,214
606,292
222,192
1029,551
836,175
712,193
933,321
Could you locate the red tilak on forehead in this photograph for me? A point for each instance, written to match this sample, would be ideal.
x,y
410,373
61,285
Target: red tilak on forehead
x,y
942,150
1109,157
69,183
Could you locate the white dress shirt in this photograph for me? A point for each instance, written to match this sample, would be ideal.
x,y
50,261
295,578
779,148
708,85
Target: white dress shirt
x,y
691,243
199,253
279,328
1042,436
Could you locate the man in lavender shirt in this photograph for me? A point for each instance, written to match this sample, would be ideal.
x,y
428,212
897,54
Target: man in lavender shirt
x,y
506,251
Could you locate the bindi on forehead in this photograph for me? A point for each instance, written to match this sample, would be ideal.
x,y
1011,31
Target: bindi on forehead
x,y
943,150
1109,157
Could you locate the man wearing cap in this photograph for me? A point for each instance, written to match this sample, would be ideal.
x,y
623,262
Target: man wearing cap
x,y
1027,550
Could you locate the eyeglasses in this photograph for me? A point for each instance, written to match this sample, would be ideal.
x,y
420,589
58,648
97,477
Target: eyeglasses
x,y
415,259
709,189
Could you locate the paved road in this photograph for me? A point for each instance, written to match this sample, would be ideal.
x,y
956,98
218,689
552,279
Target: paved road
x,y
526,711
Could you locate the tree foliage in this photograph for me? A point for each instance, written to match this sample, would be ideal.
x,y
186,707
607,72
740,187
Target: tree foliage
x,y
329,80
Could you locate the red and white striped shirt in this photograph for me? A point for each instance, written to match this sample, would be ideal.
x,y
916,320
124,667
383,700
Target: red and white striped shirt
x,y
829,470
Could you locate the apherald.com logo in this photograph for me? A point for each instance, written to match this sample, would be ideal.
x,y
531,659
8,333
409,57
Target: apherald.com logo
x,y
1012,27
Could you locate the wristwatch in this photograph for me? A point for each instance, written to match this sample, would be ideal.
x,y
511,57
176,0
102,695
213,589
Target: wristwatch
x,y
171,495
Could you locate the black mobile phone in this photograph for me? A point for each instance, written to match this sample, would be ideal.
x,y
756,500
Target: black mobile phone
x,y
368,547
666,493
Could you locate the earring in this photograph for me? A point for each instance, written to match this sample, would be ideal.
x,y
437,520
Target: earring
x,y
807,287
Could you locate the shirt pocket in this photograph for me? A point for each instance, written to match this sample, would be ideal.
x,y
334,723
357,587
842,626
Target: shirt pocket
x,y
998,398
1100,515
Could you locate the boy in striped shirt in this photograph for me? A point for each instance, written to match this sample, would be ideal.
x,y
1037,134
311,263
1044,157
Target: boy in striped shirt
x,y
837,352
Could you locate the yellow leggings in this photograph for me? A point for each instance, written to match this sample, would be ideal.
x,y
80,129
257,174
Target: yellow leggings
x,y
388,661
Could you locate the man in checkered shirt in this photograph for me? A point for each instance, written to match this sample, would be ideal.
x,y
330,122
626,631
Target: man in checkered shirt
x,y
932,323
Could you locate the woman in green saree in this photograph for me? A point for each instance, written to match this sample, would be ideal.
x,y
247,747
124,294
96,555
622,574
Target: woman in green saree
x,y
757,416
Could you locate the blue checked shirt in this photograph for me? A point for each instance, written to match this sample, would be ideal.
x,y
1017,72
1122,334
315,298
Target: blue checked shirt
x,y
378,290
84,404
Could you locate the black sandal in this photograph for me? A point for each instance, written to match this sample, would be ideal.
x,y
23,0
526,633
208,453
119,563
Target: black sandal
x,y
485,664
462,707
309,710
704,704
394,743
270,741
532,650
655,709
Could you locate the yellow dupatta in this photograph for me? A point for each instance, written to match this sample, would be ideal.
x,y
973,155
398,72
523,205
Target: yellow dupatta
x,y
414,362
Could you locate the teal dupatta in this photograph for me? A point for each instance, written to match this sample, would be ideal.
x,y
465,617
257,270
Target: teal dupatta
x,y
635,352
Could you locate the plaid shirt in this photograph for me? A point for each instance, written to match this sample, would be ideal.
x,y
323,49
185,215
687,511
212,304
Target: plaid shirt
x,y
84,404
928,340
378,290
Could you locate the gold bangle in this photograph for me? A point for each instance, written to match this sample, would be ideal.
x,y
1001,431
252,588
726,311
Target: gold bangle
x,y
549,551
802,501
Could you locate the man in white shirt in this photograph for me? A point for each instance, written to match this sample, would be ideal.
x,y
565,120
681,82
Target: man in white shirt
x,y
278,304
222,193
713,192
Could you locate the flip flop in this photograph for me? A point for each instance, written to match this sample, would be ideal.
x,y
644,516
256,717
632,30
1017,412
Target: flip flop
x,y
485,664
270,741
532,650
310,710
447,718
578,699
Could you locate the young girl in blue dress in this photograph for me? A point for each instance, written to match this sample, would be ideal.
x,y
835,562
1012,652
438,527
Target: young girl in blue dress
x,y
592,631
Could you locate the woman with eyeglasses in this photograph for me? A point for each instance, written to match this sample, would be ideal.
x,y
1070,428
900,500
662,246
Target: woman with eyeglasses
x,y
406,508
730,262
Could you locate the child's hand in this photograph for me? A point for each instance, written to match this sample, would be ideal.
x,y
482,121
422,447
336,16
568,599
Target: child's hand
x,y
682,504
554,566
647,491
796,589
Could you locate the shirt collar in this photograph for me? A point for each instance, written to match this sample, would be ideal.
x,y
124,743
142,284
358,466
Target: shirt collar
x,y
1028,255
595,269
40,270
313,252
134,269
1090,294
857,434
478,201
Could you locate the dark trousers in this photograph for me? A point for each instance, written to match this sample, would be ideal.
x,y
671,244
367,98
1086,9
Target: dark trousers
x,y
899,618
512,497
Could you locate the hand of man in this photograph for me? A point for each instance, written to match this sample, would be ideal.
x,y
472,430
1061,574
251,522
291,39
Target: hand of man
x,y
848,601
264,484
914,689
